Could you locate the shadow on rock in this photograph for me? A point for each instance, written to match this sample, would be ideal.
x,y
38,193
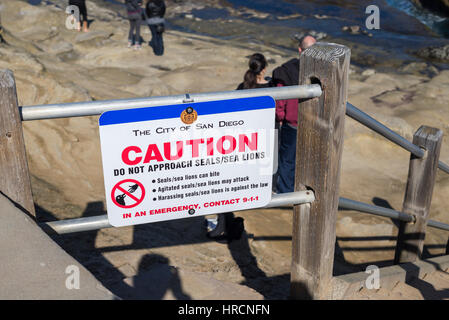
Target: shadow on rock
x,y
153,281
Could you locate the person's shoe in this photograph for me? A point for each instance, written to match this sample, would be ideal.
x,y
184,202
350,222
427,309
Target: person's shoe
x,y
137,47
216,228
210,224
130,44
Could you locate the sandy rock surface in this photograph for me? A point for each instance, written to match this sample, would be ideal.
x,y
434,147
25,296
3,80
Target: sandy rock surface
x,y
54,65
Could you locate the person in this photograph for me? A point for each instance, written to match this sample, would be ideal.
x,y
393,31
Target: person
x,y
255,75
134,10
226,226
287,117
154,14
81,4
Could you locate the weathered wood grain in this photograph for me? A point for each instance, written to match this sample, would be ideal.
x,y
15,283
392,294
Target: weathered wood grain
x,y
14,175
418,194
318,156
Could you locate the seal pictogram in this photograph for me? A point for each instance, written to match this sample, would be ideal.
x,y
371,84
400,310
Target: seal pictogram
x,y
128,193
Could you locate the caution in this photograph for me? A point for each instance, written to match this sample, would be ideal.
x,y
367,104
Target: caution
x,y
180,161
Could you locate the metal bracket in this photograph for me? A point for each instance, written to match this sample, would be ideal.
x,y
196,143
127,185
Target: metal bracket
x,y
188,99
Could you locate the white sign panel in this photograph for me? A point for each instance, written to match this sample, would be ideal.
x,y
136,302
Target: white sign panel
x,y
180,161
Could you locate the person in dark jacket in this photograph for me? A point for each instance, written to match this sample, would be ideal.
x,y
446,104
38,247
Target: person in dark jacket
x,y
81,4
154,14
287,118
227,227
134,10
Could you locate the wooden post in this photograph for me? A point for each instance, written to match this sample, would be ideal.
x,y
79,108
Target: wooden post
x,y
14,175
318,155
418,194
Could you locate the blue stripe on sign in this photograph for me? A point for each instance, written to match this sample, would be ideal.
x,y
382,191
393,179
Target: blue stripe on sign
x,y
174,111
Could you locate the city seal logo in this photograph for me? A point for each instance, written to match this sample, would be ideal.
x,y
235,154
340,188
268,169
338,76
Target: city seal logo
x,y
189,115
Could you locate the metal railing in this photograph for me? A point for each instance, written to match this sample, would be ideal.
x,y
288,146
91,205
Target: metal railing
x,y
389,134
101,222
375,210
349,204
92,108
381,129
278,200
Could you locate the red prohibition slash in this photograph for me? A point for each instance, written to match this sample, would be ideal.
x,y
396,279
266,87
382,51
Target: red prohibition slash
x,y
119,187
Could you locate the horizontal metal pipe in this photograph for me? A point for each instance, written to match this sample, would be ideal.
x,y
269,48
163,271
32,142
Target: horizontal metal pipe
x,y
285,199
349,204
378,127
375,125
444,167
79,224
385,212
101,222
438,225
91,108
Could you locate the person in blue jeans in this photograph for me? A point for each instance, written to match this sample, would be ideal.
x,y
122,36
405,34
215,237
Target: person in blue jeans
x,y
287,118
154,15
134,11
287,159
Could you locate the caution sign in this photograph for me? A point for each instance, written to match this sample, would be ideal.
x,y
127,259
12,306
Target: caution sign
x,y
180,161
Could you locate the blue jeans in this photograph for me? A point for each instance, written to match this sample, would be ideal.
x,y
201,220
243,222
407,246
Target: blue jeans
x,y
287,159
156,40
134,31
